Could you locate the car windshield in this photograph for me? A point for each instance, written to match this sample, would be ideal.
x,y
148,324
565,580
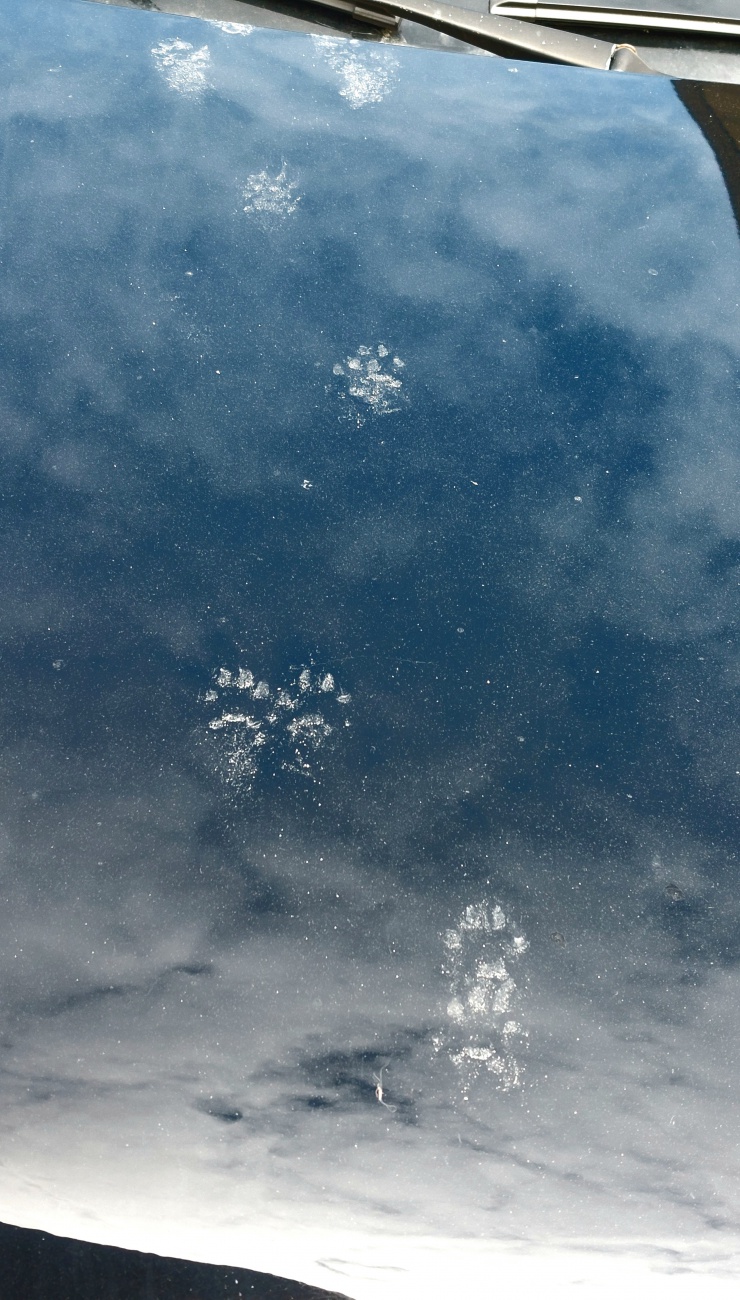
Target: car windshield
x,y
369,657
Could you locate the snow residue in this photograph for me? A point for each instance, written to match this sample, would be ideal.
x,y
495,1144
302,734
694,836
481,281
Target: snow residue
x,y
182,66
371,379
273,196
481,1032
366,76
226,718
231,29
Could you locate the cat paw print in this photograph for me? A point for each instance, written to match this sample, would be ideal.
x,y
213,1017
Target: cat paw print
x,y
372,381
267,195
184,68
482,1033
259,728
365,76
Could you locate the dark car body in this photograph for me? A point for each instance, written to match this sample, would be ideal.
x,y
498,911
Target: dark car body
x,y
369,660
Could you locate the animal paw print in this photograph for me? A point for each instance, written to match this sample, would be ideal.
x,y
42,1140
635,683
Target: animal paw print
x,y
365,76
271,196
482,1033
258,728
372,379
184,68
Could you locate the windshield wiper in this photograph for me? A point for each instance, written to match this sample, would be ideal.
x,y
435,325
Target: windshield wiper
x,y
495,31
599,16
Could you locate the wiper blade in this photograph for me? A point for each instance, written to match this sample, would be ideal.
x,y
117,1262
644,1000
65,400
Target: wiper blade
x,y
360,12
495,31
601,16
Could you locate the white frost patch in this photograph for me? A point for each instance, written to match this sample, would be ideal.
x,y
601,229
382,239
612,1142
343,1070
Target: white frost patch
x,y
231,29
227,718
182,66
492,970
283,731
480,1035
370,379
365,76
307,733
270,196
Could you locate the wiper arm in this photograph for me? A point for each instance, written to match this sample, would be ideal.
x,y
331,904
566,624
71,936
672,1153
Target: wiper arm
x,y
601,16
494,31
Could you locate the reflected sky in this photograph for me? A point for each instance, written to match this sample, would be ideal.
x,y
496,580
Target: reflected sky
x,y
369,658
